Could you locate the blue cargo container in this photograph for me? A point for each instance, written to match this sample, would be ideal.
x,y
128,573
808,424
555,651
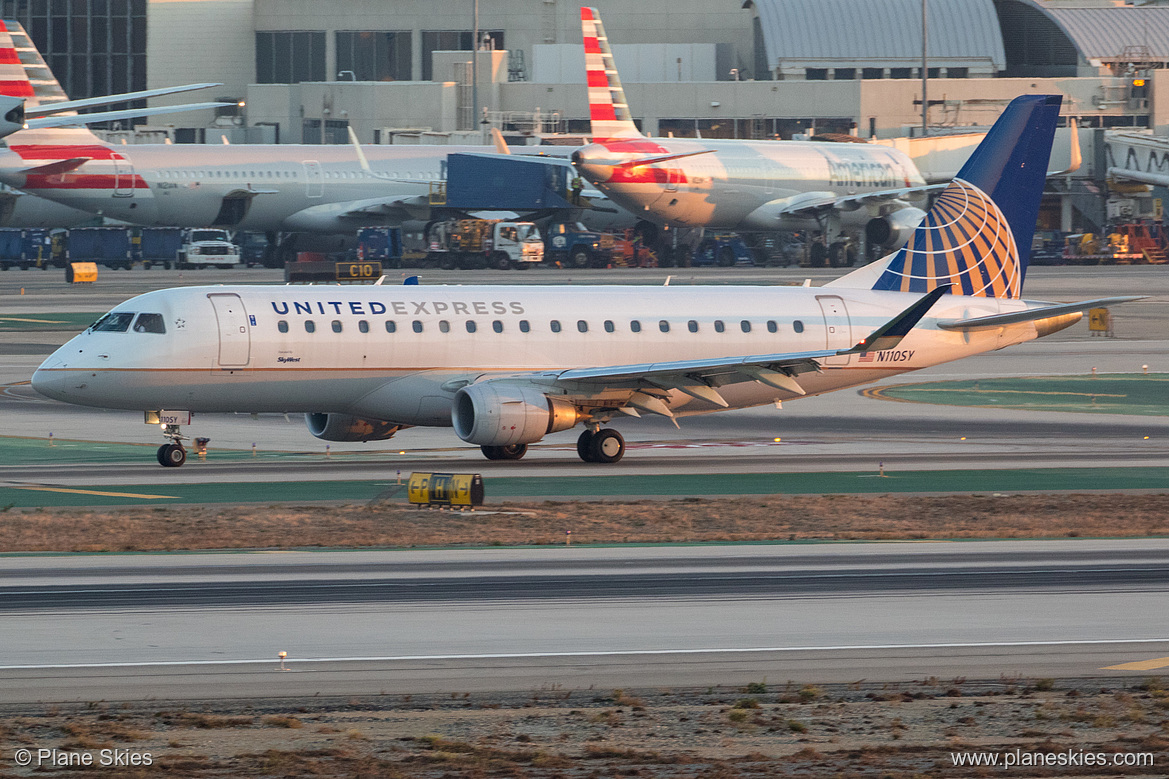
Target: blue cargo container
x,y
476,182
380,244
109,246
161,244
10,249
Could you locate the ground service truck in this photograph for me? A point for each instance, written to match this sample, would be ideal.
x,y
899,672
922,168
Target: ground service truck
x,y
478,243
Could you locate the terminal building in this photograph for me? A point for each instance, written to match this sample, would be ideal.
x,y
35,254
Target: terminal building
x,y
404,72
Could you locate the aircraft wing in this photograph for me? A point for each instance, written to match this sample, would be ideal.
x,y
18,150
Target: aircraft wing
x,y
699,378
1032,314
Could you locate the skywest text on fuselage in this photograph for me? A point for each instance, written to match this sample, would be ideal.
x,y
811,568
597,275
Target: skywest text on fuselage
x,y
401,308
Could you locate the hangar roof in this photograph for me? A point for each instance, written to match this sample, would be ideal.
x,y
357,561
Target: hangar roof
x,y
879,31
1104,33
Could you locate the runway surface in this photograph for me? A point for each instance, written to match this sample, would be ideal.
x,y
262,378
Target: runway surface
x,y
208,625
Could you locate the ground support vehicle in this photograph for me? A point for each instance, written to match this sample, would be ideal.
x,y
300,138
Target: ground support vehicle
x,y
380,244
479,243
723,249
207,248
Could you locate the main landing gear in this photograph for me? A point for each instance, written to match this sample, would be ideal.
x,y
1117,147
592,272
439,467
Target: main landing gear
x,y
172,455
513,452
602,446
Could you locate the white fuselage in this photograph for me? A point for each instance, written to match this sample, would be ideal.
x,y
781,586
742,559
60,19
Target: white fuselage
x,y
732,183
277,188
249,349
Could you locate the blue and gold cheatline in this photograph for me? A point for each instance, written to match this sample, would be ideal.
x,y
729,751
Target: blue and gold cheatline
x,y
977,236
965,242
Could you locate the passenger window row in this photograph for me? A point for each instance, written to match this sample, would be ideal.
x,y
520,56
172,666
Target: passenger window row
x,y
444,326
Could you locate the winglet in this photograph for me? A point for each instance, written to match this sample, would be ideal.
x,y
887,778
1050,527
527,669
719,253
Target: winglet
x,y
501,146
888,335
360,152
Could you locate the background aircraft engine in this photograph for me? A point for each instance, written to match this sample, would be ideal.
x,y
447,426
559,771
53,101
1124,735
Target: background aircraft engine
x,y
894,229
342,427
499,414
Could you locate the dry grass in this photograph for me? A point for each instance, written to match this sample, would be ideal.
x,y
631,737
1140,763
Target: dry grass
x,y
761,518
864,731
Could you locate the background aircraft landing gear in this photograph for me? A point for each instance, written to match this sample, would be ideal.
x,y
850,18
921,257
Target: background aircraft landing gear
x,y
604,446
171,455
513,452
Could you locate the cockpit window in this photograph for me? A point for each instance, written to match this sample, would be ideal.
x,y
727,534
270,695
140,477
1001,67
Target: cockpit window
x,y
113,322
149,323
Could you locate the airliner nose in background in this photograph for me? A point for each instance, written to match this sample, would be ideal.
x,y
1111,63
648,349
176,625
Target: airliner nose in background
x,y
508,365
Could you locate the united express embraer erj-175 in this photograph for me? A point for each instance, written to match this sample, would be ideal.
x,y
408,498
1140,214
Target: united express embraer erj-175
x,y
508,365
739,184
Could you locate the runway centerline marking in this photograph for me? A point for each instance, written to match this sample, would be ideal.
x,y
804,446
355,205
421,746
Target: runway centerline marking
x,y
597,653
92,492
1141,665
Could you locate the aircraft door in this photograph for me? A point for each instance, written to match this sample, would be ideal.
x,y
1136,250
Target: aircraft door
x,y
235,338
314,179
837,327
673,176
123,176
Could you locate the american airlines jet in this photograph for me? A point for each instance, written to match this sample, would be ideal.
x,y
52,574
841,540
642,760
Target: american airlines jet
x,y
506,366
269,188
739,184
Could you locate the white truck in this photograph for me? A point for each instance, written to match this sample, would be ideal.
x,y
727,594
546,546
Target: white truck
x,y
206,248
471,243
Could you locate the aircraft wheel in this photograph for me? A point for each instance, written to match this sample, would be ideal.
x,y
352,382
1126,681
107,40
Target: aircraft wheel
x,y
513,452
579,258
607,446
171,455
584,445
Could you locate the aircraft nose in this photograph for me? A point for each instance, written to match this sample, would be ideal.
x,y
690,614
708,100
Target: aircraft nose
x,y
50,379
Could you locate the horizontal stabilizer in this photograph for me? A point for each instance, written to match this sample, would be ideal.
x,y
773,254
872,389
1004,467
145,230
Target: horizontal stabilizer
x,y
889,335
72,120
641,161
47,108
1032,314
56,168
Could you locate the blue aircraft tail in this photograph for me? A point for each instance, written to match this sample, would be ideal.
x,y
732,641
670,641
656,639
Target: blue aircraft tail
x,y
977,236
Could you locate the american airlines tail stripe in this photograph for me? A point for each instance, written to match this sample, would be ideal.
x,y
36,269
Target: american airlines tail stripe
x,y
16,88
8,56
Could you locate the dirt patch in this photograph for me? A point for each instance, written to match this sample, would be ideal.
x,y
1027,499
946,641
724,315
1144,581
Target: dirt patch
x,y
762,730
693,520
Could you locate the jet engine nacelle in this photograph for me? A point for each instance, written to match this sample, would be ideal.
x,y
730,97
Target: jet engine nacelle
x,y
894,229
501,414
342,427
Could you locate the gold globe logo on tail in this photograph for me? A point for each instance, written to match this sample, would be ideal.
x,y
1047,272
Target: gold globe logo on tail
x,y
965,241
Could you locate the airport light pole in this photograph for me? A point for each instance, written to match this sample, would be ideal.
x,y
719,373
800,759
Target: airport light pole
x,y
475,69
925,129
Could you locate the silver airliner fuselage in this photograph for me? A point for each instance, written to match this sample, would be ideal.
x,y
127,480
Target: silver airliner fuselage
x,y
745,185
282,188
